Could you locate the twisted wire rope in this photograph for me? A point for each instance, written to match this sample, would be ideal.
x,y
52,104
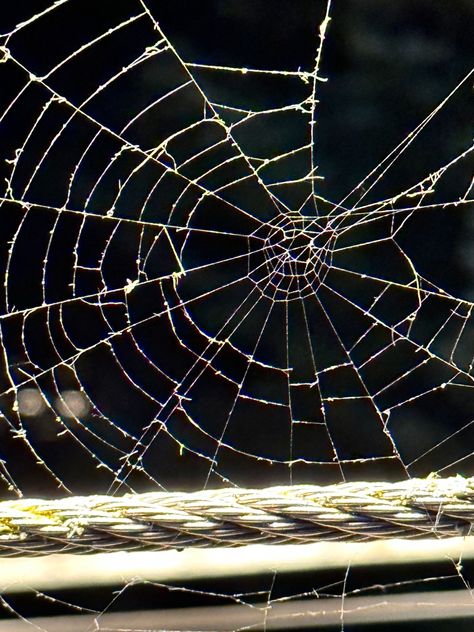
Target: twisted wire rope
x,y
360,511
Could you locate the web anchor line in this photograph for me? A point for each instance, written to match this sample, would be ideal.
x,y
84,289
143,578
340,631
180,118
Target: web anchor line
x,y
299,514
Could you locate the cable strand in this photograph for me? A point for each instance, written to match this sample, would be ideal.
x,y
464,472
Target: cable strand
x,y
431,507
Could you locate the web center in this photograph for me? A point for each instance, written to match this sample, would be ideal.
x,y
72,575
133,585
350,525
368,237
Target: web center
x,y
297,256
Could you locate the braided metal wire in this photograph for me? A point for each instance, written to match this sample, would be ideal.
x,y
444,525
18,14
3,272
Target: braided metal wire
x,y
415,508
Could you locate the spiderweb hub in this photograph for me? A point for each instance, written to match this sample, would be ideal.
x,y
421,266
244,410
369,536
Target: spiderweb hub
x,y
297,254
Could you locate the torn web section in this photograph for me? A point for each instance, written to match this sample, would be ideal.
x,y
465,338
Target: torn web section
x,y
406,349
422,376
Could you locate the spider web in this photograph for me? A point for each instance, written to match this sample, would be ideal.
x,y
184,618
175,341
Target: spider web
x,y
188,299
